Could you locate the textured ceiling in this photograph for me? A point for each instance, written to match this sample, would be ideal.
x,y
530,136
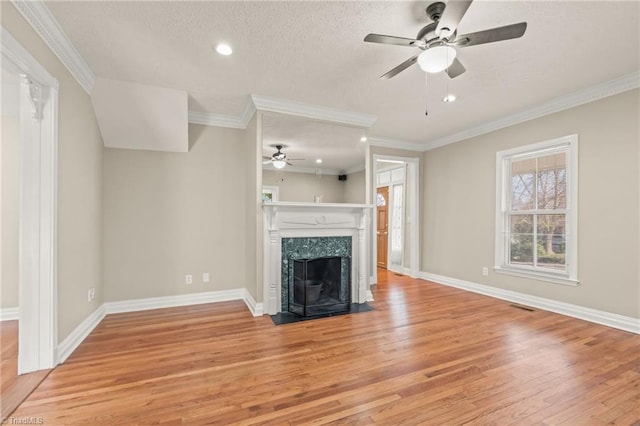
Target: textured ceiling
x,y
313,52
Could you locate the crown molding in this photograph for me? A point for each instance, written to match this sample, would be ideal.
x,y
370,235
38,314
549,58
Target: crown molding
x,y
315,112
354,169
44,23
394,143
17,58
221,120
247,114
309,170
590,94
217,120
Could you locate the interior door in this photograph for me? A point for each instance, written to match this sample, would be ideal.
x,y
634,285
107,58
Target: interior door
x,y
382,211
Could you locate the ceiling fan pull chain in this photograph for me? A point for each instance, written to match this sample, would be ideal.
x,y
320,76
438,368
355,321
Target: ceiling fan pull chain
x,y
446,95
426,106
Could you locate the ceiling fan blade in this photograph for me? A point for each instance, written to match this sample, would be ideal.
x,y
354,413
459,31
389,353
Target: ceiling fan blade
x,y
494,34
397,41
289,164
453,13
403,66
455,69
266,162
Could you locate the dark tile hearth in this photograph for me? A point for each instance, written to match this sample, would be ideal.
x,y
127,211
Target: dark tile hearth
x,y
288,318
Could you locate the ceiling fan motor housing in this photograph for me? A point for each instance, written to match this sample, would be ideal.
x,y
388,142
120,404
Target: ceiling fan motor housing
x,y
434,11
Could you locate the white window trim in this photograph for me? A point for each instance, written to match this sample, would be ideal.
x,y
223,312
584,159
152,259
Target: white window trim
x,y
570,276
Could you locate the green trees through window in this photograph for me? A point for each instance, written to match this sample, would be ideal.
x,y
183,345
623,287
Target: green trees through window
x,y
537,213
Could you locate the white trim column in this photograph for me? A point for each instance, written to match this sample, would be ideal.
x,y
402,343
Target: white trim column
x,y
363,271
37,337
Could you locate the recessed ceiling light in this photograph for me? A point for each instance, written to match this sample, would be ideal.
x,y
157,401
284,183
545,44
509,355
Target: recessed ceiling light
x,y
224,49
319,161
449,98
363,139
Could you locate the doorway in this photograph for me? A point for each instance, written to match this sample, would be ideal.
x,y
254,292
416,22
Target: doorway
x,y
400,175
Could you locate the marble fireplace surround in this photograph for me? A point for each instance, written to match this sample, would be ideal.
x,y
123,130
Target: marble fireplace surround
x,y
301,220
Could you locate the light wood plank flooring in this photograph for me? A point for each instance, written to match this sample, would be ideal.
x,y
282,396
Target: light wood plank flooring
x,y
428,354
14,389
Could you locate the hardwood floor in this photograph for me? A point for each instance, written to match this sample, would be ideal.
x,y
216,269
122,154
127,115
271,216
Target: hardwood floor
x,y
14,389
428,354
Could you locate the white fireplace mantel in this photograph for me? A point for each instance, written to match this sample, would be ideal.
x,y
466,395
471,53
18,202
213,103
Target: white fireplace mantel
x,y
292,219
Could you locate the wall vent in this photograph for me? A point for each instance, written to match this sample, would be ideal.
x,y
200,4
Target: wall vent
x,y
524,308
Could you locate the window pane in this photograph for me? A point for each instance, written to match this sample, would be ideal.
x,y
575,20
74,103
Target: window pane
x,y
523,174
552,181
551,251
521,224
551,241
380,201
551,224
521,249
396,226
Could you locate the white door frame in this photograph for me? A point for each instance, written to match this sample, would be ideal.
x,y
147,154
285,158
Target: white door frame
x,y
413,199
37,338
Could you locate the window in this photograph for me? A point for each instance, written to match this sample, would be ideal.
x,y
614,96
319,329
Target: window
x,y
396,223
536,211
269,194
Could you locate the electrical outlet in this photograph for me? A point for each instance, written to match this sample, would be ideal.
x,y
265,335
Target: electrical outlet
x,y
91,294
205,277
188,279
485,271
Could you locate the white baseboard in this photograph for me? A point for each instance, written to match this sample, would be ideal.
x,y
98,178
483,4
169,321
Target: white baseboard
x,y
369,296
173,301
257,309
68,345
73,340
8,314
609,319
409,273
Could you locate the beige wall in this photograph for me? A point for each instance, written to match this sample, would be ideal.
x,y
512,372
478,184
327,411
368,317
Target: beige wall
x,y
355,187
459,205
294,186
10,152
167,215
79,183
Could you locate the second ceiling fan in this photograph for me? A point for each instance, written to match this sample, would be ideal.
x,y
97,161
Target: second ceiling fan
x,y
439,39
279,159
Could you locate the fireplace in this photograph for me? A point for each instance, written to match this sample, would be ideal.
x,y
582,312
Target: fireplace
x,y
319,287
307,231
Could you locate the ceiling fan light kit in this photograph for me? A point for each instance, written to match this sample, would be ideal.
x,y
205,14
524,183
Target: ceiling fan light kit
x,y
279,159
436,59
279,164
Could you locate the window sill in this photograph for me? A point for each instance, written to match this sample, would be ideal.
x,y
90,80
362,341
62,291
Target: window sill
x,y
540,276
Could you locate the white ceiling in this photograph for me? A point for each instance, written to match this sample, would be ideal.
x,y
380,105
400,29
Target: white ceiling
x,y
313,52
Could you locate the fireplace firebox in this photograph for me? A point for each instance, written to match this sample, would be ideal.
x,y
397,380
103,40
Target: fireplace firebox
x,y
320,286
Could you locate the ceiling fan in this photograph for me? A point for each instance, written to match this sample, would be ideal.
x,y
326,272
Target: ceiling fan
x,y
279,158
439,40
